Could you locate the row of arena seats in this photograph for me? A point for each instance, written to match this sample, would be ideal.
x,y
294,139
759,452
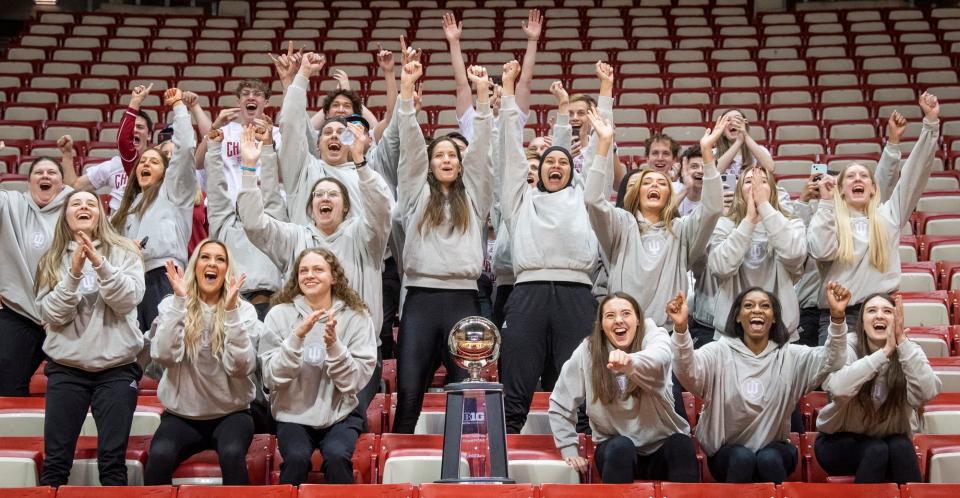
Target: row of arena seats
x,y
645,490
416,459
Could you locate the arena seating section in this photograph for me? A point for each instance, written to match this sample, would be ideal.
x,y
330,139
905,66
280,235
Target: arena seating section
x,y
816,86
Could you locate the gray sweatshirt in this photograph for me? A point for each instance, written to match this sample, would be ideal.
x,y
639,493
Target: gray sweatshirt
x,y
359,242
310,384
169,220
541,223
645,260
860,276
443,257
748,398
91,321
502,259
226,226
647,421
208,387
844,413
298,168
26,231
769,255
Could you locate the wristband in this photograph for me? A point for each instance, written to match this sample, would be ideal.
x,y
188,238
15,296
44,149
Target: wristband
x,y
175,101
361,164
248,168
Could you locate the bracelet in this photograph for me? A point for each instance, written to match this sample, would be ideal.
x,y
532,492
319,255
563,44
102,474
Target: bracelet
x,y
175,101
247,168
360,164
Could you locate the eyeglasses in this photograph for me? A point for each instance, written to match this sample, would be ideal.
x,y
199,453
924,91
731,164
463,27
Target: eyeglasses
x,y
330,194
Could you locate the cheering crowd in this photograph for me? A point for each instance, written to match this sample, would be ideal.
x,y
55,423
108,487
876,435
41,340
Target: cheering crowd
x,y
274,315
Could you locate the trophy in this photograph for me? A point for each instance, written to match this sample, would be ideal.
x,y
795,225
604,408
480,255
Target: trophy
x,y
474,343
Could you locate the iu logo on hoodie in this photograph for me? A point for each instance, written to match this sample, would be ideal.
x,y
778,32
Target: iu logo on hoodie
x,y
37,239
314,354
752,389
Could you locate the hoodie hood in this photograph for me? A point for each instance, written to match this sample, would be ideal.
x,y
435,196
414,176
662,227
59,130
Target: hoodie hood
x,y
54,204
304,309
540,186
740,348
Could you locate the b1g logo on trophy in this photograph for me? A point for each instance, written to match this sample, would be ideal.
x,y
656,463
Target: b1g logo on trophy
x,y
474,343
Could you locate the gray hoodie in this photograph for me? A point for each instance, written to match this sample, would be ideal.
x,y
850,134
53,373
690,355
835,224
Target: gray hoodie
x,y
647,261
860,276
844,413
443,257
208,387
748,398
647,421
359,242
91,321
226,226
310,384
169,220
26,231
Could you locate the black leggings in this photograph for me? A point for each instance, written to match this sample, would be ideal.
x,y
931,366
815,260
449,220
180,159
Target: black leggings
x,y
544,324
336,443
428,316
871,459
111,395
21,352
501,294
179,438
156,288
675,461
736,463
391,304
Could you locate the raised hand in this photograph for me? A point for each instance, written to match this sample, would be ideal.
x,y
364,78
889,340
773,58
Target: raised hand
x,y
899,330
89,251
711,136
343,80
308,323
233,290
931,106
385,60
408,54
264,129
215,135
225,116
760,190
604,73
412,71
451,28
360,140
78,258
511,71
559,93
837,298
751,201
138,95
250,147
601,126
65,144
827,185
175,277
311,64
811,189
285,65
330,332
418,98
619,362
678,312
496,98
533,25
896,126
172,96
191,100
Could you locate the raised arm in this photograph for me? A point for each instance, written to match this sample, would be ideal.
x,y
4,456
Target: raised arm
x,y
293,124
477,165
822,240
888,168
125,143
67,157
916,169
514,175
375,198
414,163
274,205
180,180
760,154
219,205
452,31
650,367
604,217
385,61
562,131
531,27
695,369
814,364
697,227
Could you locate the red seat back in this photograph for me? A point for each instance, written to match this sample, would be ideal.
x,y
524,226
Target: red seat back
x,y
117,491
816,490
278,491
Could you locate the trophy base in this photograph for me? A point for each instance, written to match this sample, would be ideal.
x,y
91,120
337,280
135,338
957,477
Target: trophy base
x,y
474,386
476,480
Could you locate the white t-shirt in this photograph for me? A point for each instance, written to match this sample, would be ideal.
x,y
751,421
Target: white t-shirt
x,y
109,173
737,164
230,154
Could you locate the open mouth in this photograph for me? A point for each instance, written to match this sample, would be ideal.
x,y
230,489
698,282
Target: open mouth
x,y
858,189
555,175
446,169
530,180
83,216
698,176
653,195
620,333
136,140
325,209
210,276
757,323
334,147
880,326
250,106
45,186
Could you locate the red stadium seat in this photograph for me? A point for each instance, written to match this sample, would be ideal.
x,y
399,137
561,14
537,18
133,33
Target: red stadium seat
x,y
419,457
597,490
116,492
710,490
950,275
205,466
814,490
356,490
535,458
925,490
796,475
377,413
389,375
364,463
810,406
278,491
926,444
35,492
477,491
692,406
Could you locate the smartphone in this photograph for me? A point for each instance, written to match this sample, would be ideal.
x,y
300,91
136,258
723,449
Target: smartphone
x,y
143,242
818,170
729,181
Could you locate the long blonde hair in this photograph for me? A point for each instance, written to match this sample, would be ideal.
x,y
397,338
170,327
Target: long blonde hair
x,y
668,213
738,211
877,235
50,267
193,324
133,189
340,288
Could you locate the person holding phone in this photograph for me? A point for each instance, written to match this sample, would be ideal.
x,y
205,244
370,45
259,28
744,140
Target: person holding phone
x,y
854,234
318,350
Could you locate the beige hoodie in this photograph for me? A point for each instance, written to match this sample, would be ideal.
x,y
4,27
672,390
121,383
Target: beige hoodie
x,y
748,398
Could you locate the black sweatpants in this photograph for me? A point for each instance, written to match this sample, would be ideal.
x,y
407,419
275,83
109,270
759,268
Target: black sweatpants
x,y
809,327
391,305
111,395
485,296
501,293
366,395
21,352
545,322
428,316
871,459
675,461
179,438
336,443
734,463
701,333
852,318
157,287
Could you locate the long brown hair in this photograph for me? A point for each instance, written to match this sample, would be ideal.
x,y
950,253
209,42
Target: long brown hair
x,y
724,143
605,388
133,189
668,213
51,263
340,288
193,321
894,379
738,211
435,213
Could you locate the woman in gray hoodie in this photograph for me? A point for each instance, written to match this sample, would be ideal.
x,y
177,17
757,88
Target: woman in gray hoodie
x,y
27,220
867,428
205,338
88,286
750,381
443,203
318,350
